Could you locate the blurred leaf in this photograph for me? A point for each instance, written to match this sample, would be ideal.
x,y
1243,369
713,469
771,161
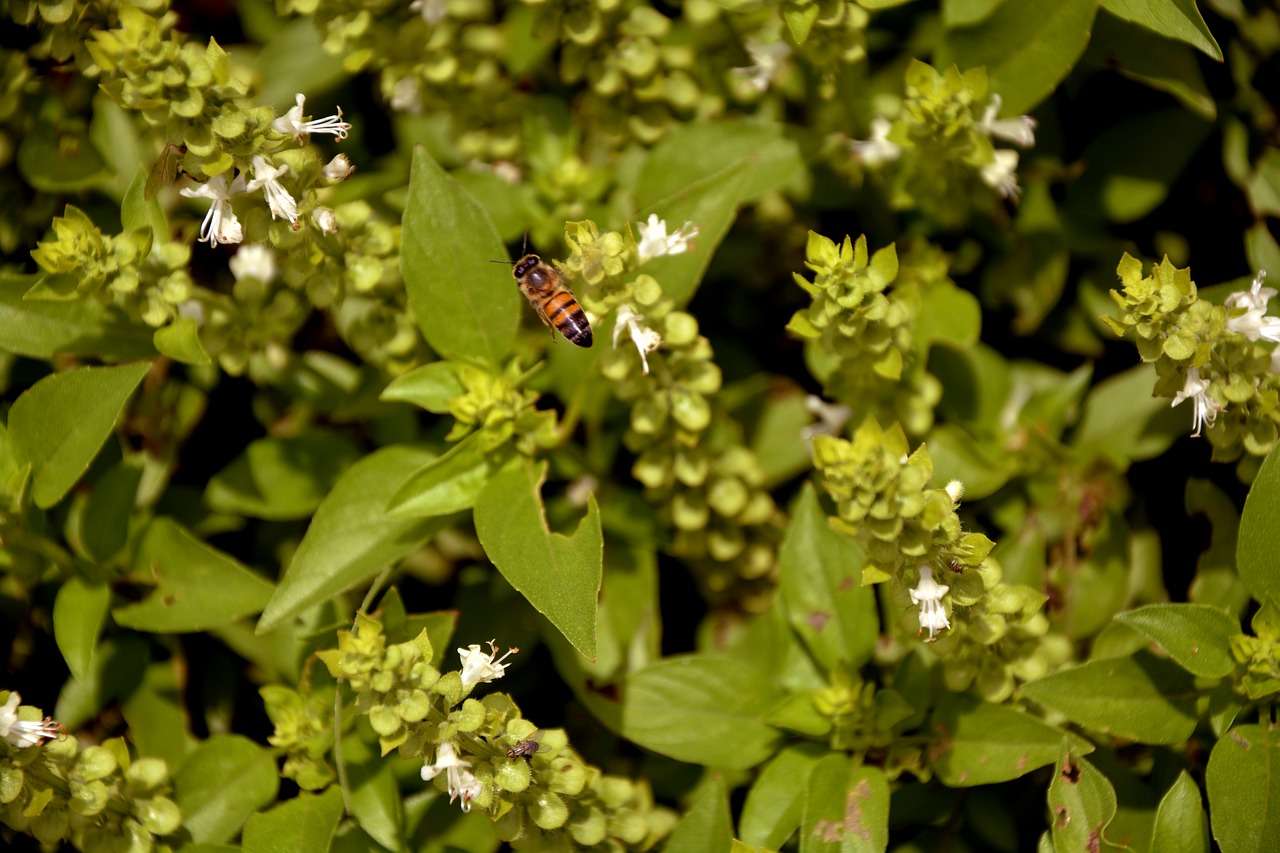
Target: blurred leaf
x,y
1082,803
60,423
819,574
1027,47
375,796
446,484
706,825
1261,248
501,200
990,743
1141,55
964,13
78,613
1097,586
976,382
156,714
466,307
1259,537
948,315
180,340
136,211
698,150
1140,698
117,669
430,386
1175,19
777,437
42,330
293,60
1181,826
1132,165
352,537
846,808
711,204
957,456
1264,184
282,478
196,586
1243,782
1122,422
1195,635
559,575
59,159
775,802
1216,582
225,780
104,523
305,824
703,710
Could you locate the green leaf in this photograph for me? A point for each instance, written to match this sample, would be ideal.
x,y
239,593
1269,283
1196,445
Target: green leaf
x,y
431,386
104,522
60,423
775,803
1134,163
226,779
846,808
706,826
1259,539
137,212
180,340
1264,185
711,204
305,824
948,315
703,710
559,575
78,614
819,574
351,537
59,159
1197,636
957,456
1141,55
292,59
1175,19
1081,804
375,797
1123,422
445,484
990,743
196,587
1027,46
157,715
116,670
1243,781
1140,698
42,330
965,13
466,307
282,478
1180,825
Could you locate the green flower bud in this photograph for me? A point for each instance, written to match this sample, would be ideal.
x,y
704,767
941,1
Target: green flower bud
x,y
590,828
96,762
158,815
470,716
511,774
548,810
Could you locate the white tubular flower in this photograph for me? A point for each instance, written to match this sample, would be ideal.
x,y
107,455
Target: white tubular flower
x,y
645,339
1001,174
656,242
325,219
461,781
955,490
293,124
878,149
1253,321
406,96
832,417
1204,408
432,11
1021,131
254,260
928,595
267,178
768,58
479,667
25,733
339,168
220,224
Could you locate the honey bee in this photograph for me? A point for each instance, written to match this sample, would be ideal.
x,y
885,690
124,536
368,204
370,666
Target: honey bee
x,y
528,746
543,285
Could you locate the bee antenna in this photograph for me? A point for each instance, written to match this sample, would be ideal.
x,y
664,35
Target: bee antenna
x,y
508,263
524,250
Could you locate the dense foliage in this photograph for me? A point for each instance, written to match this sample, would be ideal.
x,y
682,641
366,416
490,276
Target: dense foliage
x,y
860,519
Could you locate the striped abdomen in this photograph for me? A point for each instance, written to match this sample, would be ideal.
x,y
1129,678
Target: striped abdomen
x,y
563,313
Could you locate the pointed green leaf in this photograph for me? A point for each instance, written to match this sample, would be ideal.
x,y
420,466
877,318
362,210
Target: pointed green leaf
x,y
1181,826
445,484
846,808
351,537
104,522
1243,781
703,710
1197,636
558,574
1175,19
776,800
42,329
1081,804
1259,539
466,307
60,423
988,743
431,386
180,340
282,478
305,824
78,614
706,826
1141,698
1028,47
226,779
196,586
157,715
818,572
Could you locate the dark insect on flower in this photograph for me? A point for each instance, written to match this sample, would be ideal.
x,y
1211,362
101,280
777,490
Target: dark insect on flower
x,y
543,285
528,746
164,171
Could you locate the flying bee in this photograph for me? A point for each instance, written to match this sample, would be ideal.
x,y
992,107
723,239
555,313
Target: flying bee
x,y
528,746
544,287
